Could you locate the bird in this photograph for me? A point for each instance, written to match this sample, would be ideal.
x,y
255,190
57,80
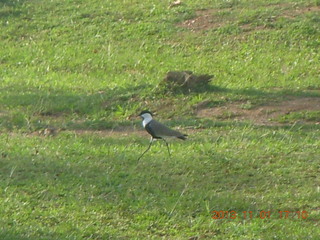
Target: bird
x,y
157,130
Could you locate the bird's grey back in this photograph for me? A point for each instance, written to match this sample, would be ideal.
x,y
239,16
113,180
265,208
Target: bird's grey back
x,y
161,130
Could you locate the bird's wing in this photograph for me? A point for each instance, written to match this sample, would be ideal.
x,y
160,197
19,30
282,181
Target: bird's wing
x,y
161,130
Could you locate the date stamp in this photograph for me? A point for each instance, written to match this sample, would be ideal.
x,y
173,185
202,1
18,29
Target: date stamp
x,y
260,214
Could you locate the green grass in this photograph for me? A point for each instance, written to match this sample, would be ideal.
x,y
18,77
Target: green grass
x,y
87,66
296,116
90,186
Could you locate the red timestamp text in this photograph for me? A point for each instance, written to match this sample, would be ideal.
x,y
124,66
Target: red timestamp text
x,y
260,214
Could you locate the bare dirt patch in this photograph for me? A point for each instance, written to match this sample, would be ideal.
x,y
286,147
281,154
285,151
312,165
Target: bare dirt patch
x,y
216,18
205,20
293,13
262,115
116,132
123,132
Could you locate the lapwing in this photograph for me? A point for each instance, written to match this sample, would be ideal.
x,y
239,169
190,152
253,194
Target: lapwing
x,y
158,130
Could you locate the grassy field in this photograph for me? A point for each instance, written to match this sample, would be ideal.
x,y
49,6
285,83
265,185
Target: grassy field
x,y
87,68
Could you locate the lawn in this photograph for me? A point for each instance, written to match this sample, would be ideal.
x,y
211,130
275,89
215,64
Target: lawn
x,y
250,167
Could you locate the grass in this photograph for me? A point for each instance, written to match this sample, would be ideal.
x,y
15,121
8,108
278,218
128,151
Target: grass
x,y
296,116
89,186
89,67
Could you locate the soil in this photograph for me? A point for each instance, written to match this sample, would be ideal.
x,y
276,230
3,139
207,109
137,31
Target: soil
x,y
262,115
212,19
204,20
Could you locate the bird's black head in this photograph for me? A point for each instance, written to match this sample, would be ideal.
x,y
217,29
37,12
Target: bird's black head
x,y
145,111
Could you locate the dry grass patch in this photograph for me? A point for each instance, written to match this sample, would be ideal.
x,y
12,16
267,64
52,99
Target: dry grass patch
x,y
262,115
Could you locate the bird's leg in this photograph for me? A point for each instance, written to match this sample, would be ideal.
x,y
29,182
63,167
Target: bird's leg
x,y
151,141
167,146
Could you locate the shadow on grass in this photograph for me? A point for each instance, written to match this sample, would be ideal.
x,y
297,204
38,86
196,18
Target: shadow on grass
x,y
9,8
10,235
34,108
53,102
31,106
10,2
15,235
18,235
250,92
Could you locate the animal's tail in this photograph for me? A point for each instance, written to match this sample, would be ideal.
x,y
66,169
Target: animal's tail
x,y
183,137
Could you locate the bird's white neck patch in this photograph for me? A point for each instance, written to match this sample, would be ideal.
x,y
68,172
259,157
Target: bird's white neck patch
x,y
146,119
